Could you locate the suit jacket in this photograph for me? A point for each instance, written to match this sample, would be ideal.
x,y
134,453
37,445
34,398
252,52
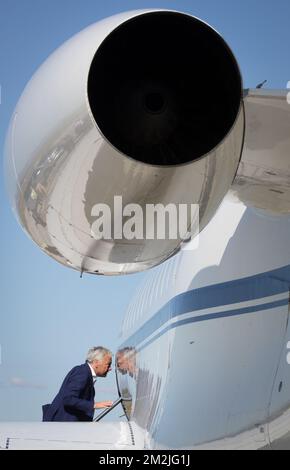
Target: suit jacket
x,y
75,400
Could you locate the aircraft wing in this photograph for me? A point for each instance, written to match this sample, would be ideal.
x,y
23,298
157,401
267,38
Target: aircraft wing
x,y
263,176
74,436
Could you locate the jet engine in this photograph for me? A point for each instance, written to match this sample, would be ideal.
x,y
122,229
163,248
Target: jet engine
x,y
143,109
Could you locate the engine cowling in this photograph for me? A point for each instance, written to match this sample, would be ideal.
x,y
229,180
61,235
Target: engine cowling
x,y
146,106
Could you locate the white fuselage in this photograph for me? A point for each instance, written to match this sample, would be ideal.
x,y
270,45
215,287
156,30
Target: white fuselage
x,y
209,332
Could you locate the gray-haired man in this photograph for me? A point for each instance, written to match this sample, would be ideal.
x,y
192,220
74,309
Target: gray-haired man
x,y
75,400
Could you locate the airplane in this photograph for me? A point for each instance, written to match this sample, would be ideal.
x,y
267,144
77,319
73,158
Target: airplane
x,y
127,107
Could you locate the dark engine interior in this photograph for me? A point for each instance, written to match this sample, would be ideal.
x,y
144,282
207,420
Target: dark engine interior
x,y
164,88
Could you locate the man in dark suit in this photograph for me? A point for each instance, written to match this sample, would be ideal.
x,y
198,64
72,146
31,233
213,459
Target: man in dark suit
x,y
75,400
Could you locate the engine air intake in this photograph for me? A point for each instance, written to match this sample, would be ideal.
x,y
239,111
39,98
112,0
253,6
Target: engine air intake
x,y
164,88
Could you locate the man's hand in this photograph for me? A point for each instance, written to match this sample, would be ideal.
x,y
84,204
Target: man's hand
x,y
103,404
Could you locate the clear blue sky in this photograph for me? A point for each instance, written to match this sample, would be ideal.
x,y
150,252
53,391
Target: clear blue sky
x,y
48,316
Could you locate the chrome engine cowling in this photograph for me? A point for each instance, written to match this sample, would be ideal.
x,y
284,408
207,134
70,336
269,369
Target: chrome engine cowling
x,y
146,106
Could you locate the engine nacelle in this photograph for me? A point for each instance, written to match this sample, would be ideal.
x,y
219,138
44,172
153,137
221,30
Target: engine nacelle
x,y
145,105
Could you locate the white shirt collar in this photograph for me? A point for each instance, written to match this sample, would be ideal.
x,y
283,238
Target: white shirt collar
x,y
93,372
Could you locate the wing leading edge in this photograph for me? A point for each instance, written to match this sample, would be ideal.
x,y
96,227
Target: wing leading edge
x,y
74,436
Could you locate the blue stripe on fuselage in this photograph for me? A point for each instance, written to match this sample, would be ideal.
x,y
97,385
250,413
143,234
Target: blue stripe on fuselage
x,y
218,295
229,313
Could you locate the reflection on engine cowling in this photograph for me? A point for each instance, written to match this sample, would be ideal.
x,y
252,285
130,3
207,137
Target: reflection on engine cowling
x,y
111,114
